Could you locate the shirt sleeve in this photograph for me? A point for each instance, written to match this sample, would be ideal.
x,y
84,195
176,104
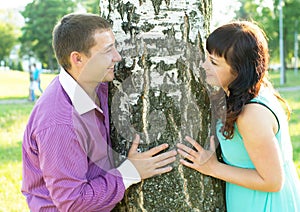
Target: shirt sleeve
x,y
129,173
65,169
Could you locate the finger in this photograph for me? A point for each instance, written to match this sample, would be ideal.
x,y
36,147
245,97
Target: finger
x,y
164,156
194,143
186,163
165,162
187,149
212,144
134,144
156,149
163,170
186,155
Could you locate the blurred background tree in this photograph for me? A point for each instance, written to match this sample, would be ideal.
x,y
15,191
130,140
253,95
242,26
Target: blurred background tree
x,y
266,14
40,18
91,6
8,39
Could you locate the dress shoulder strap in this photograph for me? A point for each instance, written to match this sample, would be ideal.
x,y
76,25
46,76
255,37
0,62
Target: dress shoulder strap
x,y
264,102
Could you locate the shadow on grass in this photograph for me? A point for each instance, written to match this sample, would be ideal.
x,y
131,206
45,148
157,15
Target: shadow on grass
x,y
14,98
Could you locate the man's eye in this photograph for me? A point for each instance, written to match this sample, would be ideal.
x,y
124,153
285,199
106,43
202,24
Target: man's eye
x,y
110,49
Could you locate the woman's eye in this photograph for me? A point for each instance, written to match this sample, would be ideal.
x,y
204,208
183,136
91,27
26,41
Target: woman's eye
x,y
213,62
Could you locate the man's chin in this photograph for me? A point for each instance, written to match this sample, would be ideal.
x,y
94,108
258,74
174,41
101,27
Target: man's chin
x,y
108,78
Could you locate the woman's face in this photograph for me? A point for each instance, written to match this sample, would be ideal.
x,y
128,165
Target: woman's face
x,y
218,71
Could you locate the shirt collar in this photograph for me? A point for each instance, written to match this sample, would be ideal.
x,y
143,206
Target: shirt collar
x,y
79,98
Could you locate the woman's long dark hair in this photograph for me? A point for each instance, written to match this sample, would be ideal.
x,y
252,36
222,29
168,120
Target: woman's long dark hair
x,y
244,46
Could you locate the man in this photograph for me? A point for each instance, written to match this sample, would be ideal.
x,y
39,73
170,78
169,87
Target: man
x,y
66,152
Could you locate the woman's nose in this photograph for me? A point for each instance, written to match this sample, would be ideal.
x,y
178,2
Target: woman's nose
x,y
204,64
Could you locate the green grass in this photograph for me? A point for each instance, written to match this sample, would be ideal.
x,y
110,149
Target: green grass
x,y
293,98
13,119
291,78
15,84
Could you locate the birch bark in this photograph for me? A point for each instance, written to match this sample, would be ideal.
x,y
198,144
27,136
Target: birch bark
x,y
159,93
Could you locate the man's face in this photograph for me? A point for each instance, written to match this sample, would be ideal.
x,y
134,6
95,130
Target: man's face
x,y
99,67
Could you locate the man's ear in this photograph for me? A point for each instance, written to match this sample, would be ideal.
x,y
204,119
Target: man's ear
x,y
76,58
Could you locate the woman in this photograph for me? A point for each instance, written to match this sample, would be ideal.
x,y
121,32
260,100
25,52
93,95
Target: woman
x,y
254,138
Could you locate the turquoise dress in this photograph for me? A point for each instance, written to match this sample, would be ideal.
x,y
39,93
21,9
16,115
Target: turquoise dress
x,y
241,199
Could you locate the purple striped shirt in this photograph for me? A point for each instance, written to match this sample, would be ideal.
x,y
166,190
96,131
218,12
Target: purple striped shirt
x,y
66,159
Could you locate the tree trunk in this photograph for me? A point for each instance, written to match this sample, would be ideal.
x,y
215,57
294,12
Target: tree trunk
x,y
159,94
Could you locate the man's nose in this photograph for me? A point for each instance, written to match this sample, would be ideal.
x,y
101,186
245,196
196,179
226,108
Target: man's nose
x,y
117,56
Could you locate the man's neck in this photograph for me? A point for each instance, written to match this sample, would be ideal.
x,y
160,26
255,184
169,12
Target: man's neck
x,y
91,91
88,87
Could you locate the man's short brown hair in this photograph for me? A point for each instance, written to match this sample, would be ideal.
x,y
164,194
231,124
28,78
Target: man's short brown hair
x,y
75,32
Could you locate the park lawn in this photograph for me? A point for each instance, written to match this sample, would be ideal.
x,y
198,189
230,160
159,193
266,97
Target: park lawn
x,y
292,78
293,99
15,84
13,119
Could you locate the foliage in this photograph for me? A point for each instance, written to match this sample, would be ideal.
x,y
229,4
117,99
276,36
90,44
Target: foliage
x,y
19,66
91,6
8,39
291,14
40,18
267,15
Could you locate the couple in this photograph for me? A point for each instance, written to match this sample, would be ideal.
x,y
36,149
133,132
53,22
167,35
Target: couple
x,y
65,168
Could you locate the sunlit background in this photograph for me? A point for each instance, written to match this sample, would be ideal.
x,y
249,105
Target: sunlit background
x,y
14,84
